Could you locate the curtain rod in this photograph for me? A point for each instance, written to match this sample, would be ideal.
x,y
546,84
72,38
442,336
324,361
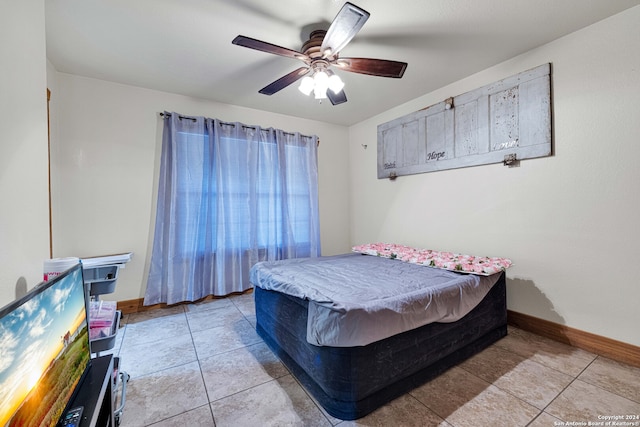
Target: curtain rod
x,y
233,124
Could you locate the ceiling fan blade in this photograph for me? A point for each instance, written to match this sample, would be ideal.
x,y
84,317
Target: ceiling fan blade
x,y
372,67
344,27
284,81
336,98
269,48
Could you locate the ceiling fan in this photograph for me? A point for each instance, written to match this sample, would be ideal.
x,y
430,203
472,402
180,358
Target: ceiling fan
x,y
320,52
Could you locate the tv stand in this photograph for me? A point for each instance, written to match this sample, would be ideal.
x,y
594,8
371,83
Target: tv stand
x,y
96,394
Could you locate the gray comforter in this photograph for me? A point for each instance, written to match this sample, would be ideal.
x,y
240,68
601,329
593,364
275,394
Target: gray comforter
x,y
358,299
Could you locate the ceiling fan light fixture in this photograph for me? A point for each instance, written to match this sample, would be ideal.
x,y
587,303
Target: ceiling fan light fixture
x,y
321,78
321,84
335,83
320,81
306,85
320,92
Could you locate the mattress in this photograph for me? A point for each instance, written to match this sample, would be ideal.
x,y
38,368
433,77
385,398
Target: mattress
x,y
350,382
355,300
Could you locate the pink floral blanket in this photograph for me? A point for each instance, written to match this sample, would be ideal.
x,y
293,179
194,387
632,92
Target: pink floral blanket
x,y
484,266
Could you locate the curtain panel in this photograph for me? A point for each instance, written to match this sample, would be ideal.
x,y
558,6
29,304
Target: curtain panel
x,y
229,195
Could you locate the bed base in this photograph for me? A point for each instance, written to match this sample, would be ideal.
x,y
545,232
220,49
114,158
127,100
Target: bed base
x,y
351,382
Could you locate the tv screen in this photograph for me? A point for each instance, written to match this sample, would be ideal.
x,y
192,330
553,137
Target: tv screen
x,y
44,351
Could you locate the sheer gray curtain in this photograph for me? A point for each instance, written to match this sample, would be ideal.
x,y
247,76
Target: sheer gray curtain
x,y
229,195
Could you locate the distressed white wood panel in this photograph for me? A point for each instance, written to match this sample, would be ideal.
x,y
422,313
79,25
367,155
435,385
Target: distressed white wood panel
x,y
412,147
535,113
466,129
511,116
503,118
402,144
391,139
436,130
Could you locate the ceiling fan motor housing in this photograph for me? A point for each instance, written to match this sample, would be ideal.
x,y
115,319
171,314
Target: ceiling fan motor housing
x,y
312,47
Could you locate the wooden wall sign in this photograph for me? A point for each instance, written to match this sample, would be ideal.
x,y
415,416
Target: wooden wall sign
x,y
503,122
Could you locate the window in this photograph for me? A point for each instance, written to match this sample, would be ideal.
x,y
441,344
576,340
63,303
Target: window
x,y
229,195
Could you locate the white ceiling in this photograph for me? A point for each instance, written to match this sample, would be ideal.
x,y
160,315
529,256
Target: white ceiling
x,y
184,46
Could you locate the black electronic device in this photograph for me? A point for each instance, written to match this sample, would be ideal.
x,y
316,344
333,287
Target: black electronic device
x,y
72,417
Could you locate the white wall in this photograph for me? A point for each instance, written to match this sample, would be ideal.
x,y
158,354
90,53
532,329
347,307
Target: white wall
x,y
105,158
24,211
569,222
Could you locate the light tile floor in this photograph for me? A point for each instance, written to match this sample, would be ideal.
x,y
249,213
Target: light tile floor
x,y
204,365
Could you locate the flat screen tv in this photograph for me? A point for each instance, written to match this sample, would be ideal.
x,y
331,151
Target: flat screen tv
x,y
44,351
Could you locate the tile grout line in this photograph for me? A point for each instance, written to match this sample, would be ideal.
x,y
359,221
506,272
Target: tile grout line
x,y
597,385
409,393
206,392
565,389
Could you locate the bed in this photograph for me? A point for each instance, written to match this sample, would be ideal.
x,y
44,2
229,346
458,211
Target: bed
x,y
355,350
